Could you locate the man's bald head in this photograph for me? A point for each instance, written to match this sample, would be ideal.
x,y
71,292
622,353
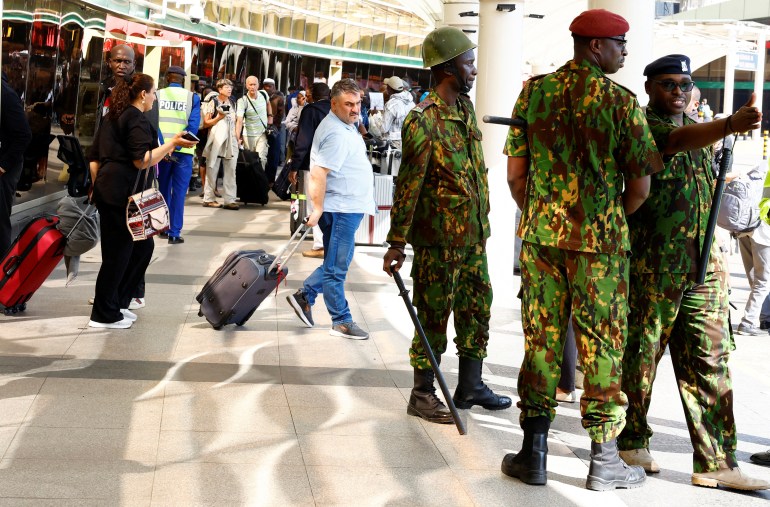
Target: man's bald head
x,y
122,61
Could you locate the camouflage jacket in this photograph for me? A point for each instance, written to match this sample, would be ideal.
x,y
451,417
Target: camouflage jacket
x,y
442,193
667,232
586,134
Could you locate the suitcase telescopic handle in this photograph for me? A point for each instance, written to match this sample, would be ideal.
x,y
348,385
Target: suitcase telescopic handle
x,y
285,253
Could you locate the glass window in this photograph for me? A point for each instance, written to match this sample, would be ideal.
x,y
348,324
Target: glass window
x,y
352,36
325,31
204,63
15,49
67,77
298,28
312,29
284,23
339,35
365,40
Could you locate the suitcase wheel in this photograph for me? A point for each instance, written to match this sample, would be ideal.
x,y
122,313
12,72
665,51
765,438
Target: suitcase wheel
x,y
11,310
200,313
217,328
240,323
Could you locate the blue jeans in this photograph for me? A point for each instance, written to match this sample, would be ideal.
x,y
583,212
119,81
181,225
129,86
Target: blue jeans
x,y
339,231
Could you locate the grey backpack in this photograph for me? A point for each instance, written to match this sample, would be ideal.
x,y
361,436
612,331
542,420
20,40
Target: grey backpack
x,y
739,211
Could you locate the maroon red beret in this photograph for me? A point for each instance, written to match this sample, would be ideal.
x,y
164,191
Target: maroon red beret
x,y
598,23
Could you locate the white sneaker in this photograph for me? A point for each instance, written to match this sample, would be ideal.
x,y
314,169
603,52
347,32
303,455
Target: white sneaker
x,y
121,324
90,301
128,314
136,303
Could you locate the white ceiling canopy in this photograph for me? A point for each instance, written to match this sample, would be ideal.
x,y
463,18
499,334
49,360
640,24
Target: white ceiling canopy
x,y
548,44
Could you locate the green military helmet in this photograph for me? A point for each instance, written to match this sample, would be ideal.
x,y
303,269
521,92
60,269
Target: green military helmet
x,y
443,44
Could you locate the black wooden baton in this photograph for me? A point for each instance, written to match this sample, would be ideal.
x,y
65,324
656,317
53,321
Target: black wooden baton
x,y
719,190
433,363
501,120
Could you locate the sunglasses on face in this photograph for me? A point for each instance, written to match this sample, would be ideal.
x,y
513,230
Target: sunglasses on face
x,y
669,85
620,41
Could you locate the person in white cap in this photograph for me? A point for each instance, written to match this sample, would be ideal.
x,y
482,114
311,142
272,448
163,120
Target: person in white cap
x,y
398,103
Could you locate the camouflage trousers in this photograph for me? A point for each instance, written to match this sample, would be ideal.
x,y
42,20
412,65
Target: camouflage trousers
x,y
448,279
693,321
593,287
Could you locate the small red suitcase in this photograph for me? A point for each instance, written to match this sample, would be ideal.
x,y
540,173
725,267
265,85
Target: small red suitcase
x,y
31,259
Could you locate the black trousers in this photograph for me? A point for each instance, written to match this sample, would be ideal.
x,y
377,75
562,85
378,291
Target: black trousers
x,y
124,263
8,183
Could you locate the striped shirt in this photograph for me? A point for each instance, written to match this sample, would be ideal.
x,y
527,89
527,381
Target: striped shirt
x,y
253,125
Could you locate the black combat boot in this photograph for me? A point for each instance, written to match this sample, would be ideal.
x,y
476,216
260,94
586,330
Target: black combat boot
x,y
471,390
608,471
529,464
423,401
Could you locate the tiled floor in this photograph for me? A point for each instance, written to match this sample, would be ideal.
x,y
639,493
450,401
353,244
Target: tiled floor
x,y
172,412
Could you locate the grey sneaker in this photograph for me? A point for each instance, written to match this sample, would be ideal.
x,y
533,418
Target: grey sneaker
x,y
298,301
349,330
751,330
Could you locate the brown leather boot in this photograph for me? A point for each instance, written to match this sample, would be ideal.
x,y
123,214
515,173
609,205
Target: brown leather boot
x,y
423,401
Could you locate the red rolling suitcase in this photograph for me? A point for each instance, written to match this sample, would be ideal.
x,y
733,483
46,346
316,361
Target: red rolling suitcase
x,y
30,260
245,279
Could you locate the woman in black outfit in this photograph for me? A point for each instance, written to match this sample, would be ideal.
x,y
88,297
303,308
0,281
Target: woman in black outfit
x,y
126,145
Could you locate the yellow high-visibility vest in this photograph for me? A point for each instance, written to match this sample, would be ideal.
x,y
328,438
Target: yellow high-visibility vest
x,y
174,109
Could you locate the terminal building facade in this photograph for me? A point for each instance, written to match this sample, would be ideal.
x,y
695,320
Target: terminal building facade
x,y
54,52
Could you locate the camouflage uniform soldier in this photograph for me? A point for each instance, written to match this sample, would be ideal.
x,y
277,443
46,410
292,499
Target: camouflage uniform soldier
x,y
441,205
587,140
670,309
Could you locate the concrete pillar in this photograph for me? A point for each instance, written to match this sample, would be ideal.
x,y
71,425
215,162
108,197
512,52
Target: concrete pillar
x,y
727,100
464,14
499,61
641,18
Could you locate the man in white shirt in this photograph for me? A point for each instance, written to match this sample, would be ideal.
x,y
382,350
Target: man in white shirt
x,y
342,192
398,103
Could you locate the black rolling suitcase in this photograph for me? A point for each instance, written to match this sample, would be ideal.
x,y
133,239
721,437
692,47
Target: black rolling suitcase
x,y
245,279
250,179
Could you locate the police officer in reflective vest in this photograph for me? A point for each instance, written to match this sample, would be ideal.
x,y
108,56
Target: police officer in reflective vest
x,y
178,110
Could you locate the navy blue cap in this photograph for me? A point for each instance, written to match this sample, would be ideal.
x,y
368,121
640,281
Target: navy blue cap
x,y
670,64
175,69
